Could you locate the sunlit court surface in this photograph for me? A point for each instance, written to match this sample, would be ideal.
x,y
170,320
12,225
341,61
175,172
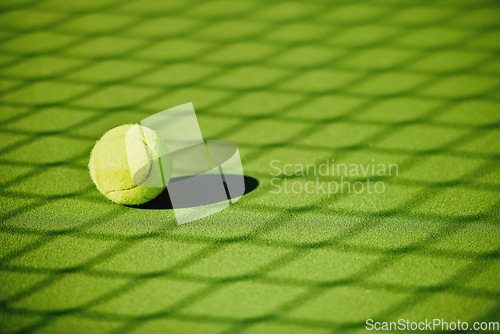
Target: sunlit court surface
x,y
339,173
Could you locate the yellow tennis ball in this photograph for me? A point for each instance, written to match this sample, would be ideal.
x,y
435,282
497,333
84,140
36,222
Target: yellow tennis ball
x,y
130,164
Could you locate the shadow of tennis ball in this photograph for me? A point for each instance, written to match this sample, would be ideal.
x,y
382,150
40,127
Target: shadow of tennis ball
x,y
163,201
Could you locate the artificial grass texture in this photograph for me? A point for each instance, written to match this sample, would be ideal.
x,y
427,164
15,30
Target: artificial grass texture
x,y
413,84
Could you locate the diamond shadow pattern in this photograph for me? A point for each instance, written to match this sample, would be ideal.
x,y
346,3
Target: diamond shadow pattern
x,y
414,82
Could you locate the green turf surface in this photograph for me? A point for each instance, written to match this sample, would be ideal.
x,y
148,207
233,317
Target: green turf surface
x,y
411,83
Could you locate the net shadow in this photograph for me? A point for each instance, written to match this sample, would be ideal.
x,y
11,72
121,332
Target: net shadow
x,y
388,17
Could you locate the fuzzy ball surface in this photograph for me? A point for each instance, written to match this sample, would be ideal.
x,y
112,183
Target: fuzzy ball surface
x,y
130,164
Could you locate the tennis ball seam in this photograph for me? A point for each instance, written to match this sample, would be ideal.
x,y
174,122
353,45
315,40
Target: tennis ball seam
x,y
137,185
115,191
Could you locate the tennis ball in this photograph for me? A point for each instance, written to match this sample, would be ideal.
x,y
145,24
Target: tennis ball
x,y
130,164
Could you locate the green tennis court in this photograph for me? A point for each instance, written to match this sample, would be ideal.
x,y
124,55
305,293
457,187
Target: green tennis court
x,y
409,85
